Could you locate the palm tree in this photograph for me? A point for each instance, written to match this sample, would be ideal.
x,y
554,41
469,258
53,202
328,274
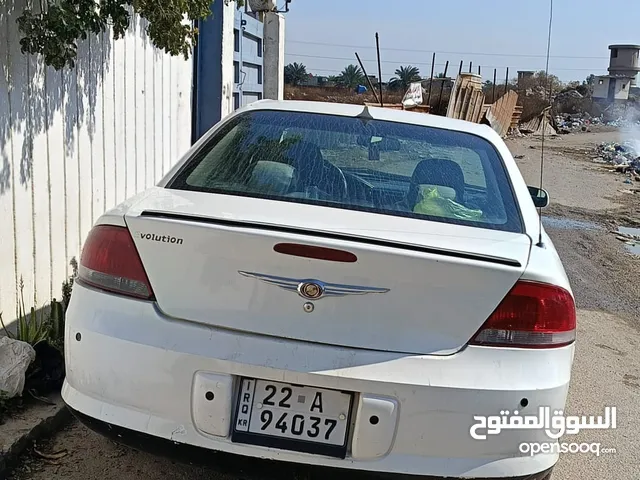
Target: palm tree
x,y
351,77
405,76
295,74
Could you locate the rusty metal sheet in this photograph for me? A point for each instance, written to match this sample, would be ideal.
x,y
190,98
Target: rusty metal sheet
x,y
500,114
539,124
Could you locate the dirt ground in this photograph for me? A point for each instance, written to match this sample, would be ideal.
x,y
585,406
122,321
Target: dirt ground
x,y
587,195
587,203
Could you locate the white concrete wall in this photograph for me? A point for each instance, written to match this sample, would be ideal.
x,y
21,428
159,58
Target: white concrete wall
x,y
622,88
601,87
601,90
77,142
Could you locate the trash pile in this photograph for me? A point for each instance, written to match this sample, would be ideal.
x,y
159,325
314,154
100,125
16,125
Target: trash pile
x,y
570,123
621,116
624,156
622,122
569,94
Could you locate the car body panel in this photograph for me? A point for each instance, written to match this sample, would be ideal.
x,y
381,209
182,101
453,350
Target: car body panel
x,y
198,277
135,368
143,365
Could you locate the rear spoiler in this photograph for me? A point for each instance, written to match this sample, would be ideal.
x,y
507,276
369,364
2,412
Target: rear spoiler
x,y
332,235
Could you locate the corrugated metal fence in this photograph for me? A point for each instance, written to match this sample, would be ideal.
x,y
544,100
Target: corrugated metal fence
x,y
77,142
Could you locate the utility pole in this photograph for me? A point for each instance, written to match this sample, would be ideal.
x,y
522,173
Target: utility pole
x,y
274,30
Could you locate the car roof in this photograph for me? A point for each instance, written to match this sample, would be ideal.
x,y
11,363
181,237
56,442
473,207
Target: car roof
x,y
378,113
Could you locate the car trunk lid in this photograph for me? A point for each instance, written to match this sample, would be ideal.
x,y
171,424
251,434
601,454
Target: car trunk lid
x,y
416,287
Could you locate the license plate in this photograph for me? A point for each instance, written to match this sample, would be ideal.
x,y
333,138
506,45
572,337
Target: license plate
x,y
292,417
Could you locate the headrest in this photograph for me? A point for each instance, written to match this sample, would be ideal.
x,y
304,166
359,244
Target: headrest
x,y
271,177
437,172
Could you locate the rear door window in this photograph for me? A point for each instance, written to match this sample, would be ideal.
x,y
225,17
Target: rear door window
x,y
376,166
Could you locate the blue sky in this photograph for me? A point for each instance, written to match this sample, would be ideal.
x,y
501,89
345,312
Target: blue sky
x,y
509,33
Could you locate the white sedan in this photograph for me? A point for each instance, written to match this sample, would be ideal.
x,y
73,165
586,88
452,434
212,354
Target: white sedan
x,y
333,285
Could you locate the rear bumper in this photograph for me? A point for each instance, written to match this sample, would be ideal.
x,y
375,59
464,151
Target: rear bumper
x,y
132,370
227,463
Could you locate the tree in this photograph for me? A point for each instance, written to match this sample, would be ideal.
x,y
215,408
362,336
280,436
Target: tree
x,y
351,77
587,87
405,76
540,83
295,74
54,29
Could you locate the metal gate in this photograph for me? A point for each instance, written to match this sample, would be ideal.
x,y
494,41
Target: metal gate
x,y
247,59
248,53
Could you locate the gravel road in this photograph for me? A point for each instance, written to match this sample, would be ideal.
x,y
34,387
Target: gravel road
x,y
606,281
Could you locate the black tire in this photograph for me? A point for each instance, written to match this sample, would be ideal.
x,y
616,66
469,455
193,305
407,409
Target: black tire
x,y
547,476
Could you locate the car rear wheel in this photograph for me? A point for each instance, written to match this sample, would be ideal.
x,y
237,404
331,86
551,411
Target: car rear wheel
x,y
547,476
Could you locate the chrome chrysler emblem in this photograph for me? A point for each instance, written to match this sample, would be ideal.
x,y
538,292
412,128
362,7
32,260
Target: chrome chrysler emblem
x,y
310,290
313,289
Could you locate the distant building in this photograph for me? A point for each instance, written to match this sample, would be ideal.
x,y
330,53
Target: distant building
x,y
625,62
624,65
612,88
316,81
524,75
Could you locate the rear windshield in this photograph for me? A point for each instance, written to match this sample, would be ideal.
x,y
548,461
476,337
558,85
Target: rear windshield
x,y
350,163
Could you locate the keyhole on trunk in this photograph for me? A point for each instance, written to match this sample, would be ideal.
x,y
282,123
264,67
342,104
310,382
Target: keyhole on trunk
x,y
308,307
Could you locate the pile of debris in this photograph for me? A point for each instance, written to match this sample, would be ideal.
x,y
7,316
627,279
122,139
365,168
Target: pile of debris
x,y
622,116
622,122
570,123
624,156
561,124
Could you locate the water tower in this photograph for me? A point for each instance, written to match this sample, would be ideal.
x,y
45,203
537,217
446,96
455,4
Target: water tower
x,y
625,62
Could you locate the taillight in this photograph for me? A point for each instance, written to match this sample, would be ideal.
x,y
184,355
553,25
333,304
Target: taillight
x,y
532,315
111,262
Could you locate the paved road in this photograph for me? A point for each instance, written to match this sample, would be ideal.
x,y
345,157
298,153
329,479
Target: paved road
x,y
606,282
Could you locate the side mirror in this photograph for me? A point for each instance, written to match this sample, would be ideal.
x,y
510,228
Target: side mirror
x,y
539,196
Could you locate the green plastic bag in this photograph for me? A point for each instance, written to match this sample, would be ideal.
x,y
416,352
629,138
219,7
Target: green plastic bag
x,y
433,204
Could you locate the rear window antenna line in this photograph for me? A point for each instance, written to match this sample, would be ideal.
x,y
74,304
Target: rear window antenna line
x,y
547,111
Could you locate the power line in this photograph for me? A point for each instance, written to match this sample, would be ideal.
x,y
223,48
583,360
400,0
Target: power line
x,y
447,53
328,70
426,64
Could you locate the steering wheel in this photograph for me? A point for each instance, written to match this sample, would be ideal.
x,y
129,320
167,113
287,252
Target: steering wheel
x,y
328,180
